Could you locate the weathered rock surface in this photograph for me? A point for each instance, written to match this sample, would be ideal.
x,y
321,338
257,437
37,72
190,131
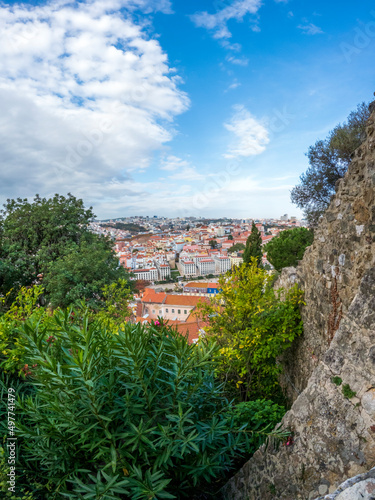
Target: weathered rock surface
x,y
333,266
361,487
334,433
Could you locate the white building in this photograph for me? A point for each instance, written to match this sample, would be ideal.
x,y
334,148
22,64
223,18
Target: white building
x,y
150,274
188,268
235,261
222,264
206,266
164,271
179,245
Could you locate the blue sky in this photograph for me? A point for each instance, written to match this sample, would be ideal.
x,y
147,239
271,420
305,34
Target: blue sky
x,y
175,108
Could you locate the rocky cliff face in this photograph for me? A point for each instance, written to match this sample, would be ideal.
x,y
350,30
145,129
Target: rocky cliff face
x,y
334,432
332,268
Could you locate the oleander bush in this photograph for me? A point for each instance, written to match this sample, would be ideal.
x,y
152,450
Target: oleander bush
x,y
136,414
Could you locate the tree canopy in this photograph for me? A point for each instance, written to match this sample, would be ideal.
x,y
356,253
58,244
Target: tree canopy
x,y
328,161
237,247
50,239
253,246
288,248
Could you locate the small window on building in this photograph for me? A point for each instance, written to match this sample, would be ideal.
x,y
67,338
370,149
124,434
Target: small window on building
x,y
173,310
185,312
166,310
179,311
153,311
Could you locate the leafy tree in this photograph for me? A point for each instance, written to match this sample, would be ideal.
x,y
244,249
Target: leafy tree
x,y
230,237
136,415
140,285
288,248
213,243
328,161
82,274
50,237
253,246
236,248
252,326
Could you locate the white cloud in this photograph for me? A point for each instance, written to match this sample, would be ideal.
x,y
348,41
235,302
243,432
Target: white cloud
x,y
235,84
251,135
180,169
310,29
85,98
240,61
173,163
217,23
187,174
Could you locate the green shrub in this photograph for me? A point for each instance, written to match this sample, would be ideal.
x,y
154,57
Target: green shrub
x,y
254,325
336,380
257,415
347,392
134,415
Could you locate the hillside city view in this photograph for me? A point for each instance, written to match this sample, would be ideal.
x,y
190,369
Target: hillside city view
x,y
159,249
187,250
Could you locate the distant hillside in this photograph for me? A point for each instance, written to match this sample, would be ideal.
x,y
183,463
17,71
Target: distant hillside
x,y
132,228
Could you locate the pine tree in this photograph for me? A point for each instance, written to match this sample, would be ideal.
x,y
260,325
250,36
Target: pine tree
x,y
253,246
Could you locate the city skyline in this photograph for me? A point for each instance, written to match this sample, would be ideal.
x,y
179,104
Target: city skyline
x,y
176,108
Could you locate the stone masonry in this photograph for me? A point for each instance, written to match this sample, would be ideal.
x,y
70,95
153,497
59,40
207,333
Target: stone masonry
x,y
333,432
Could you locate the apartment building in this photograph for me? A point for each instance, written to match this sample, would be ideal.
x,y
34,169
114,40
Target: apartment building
x,y
206,266
150,274
235,261
164,271
222,264
188,268
201,289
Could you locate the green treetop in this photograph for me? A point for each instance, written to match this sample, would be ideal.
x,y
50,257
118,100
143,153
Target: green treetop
x,y
288,248
328,161
236,248
253,246
50,237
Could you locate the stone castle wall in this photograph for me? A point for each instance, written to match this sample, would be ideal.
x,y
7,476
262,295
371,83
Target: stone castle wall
x,y
332,268
333,436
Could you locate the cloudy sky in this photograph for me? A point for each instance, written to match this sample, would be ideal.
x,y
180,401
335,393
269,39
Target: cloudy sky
x,y
175,107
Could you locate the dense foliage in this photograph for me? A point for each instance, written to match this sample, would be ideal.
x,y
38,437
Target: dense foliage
x,y
328,161
237,247
288,248
253,325
253,248
49,239
134,413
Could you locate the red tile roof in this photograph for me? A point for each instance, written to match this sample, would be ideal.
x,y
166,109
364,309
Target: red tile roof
x,y
151,296
189,330
193,284
183,300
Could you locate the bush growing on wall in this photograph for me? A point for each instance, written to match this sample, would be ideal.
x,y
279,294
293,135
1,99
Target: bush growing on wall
x,y
253,325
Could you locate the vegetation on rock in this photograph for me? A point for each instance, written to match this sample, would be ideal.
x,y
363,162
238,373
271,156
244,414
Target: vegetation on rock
x,y
253,325
328,161
288,248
